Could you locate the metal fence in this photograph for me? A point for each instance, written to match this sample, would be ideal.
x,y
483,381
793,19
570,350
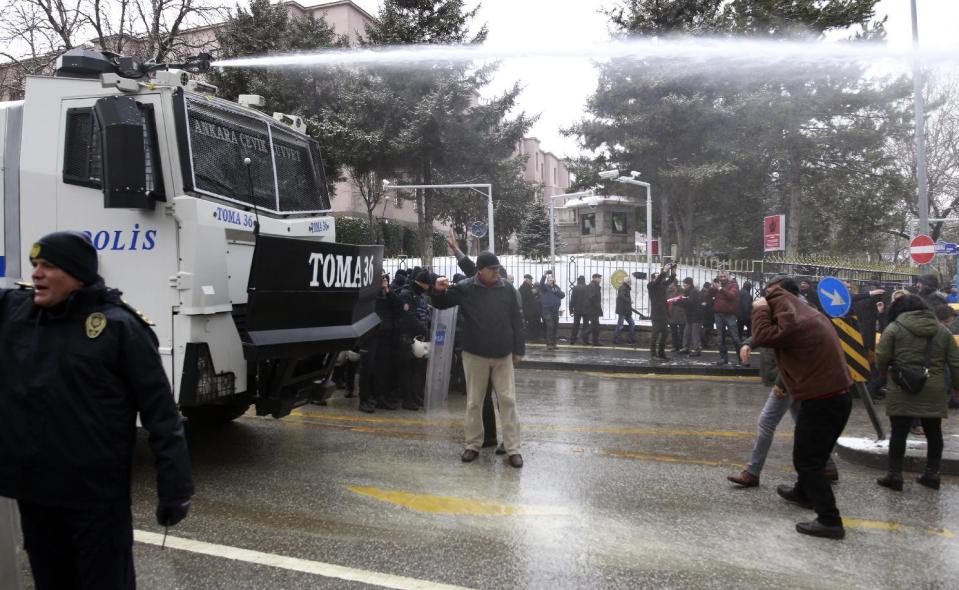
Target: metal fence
x,y
613,267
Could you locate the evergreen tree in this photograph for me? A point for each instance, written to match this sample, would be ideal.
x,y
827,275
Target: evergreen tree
x,y
722,149
533,236
443,135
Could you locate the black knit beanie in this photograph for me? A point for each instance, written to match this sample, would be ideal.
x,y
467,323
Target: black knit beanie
x,y
71,251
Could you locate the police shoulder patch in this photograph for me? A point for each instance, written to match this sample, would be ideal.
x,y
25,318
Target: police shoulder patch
x,y
139,315
95,324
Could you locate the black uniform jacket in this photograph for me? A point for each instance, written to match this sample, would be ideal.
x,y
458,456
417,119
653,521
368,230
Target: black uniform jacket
x,y
492,316
71,391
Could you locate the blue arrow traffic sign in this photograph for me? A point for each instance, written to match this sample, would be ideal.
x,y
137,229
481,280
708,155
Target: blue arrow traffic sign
x,y
834,297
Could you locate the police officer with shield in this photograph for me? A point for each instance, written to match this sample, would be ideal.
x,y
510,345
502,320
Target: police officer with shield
x,y
77,365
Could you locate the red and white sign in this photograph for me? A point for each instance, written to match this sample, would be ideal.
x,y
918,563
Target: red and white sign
x,y
922,249
774,232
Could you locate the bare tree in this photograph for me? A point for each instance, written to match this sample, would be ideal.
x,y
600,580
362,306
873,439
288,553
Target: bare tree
x,y
35,32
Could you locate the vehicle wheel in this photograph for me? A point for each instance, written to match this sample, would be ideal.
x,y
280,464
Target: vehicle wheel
x,y
214,414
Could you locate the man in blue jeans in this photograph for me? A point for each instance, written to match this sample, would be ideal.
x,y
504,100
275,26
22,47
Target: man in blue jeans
x,y
726,292
776,406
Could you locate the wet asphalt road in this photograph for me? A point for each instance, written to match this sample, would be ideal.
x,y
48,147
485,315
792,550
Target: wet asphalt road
x,y
624,487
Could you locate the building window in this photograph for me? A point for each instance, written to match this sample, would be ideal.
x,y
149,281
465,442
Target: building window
x,y
619,223
588,224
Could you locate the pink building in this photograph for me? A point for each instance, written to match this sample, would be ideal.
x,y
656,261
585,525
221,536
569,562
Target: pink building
x,y
544,168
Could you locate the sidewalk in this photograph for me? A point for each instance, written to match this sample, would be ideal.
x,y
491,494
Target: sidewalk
x,y
873,453
629,359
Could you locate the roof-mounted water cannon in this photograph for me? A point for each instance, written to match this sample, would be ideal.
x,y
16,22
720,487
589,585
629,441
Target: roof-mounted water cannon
x,y
86,63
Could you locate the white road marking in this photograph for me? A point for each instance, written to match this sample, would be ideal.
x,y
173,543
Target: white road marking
x,y
319,568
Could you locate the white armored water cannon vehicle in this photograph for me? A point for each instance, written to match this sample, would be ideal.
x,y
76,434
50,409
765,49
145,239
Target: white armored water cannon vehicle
x,y
211,217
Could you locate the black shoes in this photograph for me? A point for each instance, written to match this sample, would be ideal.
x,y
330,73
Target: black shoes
x,y
817,529
469,455
893,481
930,479
722,362
831,473
411,406
386,405
516,460
789,494
367,407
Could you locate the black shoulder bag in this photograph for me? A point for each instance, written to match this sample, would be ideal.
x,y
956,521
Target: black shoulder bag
x,y
911,379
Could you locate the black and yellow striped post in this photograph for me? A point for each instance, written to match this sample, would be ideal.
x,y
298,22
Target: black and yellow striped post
x,y
857,359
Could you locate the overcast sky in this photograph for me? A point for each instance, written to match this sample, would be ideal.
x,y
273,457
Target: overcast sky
x,y
557,89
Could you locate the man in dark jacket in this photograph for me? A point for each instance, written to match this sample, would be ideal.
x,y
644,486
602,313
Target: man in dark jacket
x,y
658,311
725,306
77,366
376,366
532,311
693,304
812,367
413,321
550,298
593,310
578,307
624,311
494,341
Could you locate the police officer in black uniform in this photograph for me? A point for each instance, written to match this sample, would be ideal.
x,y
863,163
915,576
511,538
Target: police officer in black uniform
x,y
376,366
77,365
413,321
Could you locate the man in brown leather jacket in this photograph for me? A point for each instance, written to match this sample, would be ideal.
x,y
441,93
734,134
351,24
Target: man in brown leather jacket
x,y
813,369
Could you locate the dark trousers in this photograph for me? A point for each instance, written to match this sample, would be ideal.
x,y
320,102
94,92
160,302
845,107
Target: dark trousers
x,y
534,325
818,426
550,324
577,318
657,341
489,416
79,549
676,330
376,370
897,442
591,328
413,375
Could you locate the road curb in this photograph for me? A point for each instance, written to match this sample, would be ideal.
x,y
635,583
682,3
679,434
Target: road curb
x,y
875,454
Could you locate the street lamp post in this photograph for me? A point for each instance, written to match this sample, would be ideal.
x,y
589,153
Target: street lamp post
x,y
552,223
631,179
387,186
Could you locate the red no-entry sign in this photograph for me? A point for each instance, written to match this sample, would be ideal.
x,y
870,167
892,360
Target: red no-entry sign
x,y
922,249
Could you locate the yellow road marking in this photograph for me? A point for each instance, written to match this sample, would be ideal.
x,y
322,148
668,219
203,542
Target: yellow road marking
x,y
644,431
374,420
664,458
654,376
893,527
450,504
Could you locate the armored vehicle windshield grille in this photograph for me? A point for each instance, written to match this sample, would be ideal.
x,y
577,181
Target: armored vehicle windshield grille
x,y
286,167
83,154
